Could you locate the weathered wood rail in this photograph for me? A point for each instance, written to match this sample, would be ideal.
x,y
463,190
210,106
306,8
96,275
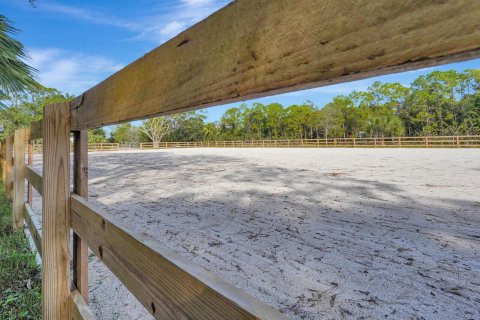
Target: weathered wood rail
x,y
390,142
250,48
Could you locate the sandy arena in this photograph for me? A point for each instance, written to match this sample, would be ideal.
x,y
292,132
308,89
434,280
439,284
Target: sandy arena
x,y
315,233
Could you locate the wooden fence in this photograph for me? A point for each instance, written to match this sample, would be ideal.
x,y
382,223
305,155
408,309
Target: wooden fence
x,y
248,49
38,147
392,142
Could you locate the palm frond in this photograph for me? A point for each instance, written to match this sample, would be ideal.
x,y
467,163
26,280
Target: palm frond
x,y
15,74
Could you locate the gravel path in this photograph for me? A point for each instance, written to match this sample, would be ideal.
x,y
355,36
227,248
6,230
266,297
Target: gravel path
x,y
315,233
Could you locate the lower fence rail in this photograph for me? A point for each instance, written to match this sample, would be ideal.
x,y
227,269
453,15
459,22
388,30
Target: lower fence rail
x,y
168,285
80,310
35,179
37,238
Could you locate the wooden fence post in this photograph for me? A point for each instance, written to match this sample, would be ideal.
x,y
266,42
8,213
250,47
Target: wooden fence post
x,y
80,187
9,166
30,162
18,178
56,212
3,151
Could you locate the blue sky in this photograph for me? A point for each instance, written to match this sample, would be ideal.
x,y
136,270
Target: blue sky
x,y
75,45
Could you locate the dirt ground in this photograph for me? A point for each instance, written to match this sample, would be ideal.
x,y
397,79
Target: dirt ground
x,y
315,233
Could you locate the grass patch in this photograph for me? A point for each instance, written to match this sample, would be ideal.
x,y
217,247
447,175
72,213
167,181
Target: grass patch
x,y
20,283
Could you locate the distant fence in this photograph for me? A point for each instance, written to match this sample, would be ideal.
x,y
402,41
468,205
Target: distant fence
x,y
391,142
132,145
38,148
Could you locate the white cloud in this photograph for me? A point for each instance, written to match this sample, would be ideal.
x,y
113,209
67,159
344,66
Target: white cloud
x,y
196,3
71,72
341,88
87,15
38,57
148,24
420,70
172,28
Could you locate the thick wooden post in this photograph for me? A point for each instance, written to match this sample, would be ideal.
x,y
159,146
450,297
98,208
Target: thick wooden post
x,y
30,162
56,213
3,151
18,179
9,166
80,187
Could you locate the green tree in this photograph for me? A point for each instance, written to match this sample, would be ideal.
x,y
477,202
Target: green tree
x,y
274,120
187,126
157,128
299,121
27,107
126,133
330,120
254,121
210,131
97,136
230,124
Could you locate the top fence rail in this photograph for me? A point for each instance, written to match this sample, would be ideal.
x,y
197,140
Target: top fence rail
x,y
253,49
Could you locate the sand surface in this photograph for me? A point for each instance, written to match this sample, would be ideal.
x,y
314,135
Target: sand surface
x,y
315,233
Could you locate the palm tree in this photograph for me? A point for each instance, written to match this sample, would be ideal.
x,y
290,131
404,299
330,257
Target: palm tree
x,y
15,75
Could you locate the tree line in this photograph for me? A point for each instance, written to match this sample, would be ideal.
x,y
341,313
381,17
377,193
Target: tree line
x,y
439,103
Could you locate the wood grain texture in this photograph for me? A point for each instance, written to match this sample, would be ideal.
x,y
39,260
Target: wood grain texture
x,y
168,285
56,213
37,238
9,167
35,179
80,187
30,163
80,310
18,178
257,48
35,131
3,150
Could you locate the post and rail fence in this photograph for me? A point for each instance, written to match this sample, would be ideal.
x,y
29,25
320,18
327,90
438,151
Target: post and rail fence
x,y
247,49
390,142
466,141
38,147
